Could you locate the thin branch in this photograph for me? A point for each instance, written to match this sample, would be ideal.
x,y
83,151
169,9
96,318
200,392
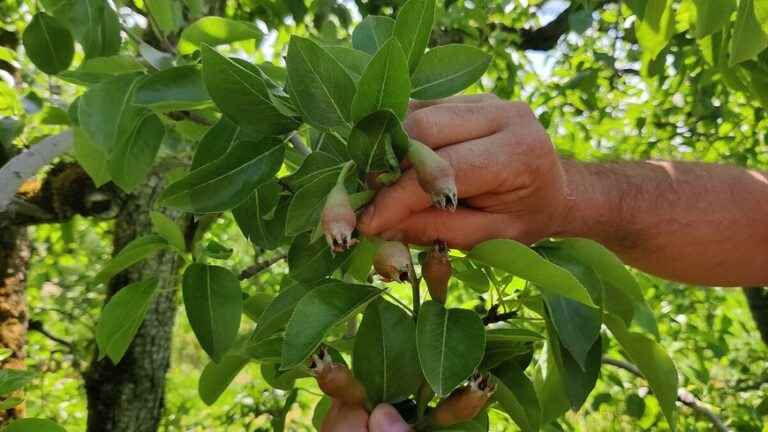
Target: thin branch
x,y
38,327
260,267
684,396
27,163
299,145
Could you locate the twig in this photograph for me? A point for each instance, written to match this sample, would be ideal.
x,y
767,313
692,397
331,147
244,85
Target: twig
x,y
416,293
299,145
684,396
259,267
27,163
38,327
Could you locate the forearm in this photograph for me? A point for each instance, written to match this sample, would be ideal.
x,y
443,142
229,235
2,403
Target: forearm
x,y
696,223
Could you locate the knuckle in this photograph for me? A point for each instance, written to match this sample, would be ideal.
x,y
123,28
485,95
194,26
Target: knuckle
x,y
421,125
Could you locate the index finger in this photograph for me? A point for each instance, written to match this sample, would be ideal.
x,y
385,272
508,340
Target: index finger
x,y
471,162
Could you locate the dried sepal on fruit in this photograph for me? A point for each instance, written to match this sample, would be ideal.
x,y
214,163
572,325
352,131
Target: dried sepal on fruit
x,y
335,379
436,271
435,175
338,219
465,403
393,262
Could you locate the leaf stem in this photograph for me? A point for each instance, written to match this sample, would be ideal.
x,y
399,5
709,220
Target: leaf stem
x,y
416,292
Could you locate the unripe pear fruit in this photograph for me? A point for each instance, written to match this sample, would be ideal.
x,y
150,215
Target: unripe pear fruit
x,y
436,271
338,219
435,175
393,262
336,380
465,403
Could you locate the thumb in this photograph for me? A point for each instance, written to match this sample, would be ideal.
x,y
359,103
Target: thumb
x,y
461,229
385,418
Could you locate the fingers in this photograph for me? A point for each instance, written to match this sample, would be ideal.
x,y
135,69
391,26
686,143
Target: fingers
x,y
416,105
445,124
385,418
479,167
461,229
345,418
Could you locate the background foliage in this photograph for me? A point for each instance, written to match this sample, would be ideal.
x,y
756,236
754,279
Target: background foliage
x,y
690,86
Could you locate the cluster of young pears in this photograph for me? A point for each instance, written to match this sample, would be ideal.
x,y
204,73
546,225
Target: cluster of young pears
x,y
393,262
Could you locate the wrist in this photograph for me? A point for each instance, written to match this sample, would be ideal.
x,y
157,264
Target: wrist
x,y
593,207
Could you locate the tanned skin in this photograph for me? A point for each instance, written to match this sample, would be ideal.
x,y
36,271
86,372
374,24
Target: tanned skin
x,y
702,224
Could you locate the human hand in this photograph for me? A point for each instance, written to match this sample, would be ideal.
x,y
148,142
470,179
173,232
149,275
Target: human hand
x,y
354,418
510,181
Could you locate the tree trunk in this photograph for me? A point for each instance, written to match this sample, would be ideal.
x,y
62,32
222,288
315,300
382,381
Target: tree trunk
x,y
14,255
757,298
130,396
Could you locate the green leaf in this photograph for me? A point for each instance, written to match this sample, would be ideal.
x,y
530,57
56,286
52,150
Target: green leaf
x,y
14,379
133,157
135,251
320,411
385,84
713,16
240,91
96,26
307,203
311,261
352,60
174,89
255,305
158,59
384,357
168,229
475,279
321,88
656,27
360,261
550,387
253,216
122,316
502,345
214,305
377,143
279,311
215,143
450,343
620,291
98,69
167,14
213,31
33,425
228,181
317,312
279,379
517,396
9,56
577,325
216,377
654,363
106,111
748,39
48,44
447,70
522,261
412,28
315,165
91,157
761,13
372,33
331,144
